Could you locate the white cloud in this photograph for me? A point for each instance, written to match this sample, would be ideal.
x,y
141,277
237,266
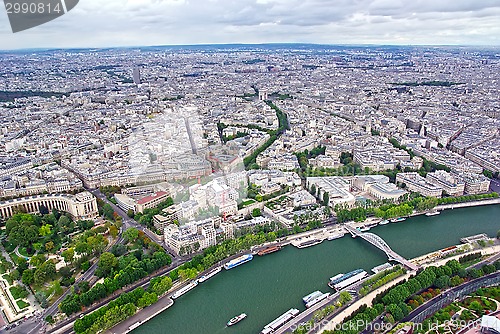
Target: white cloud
x,y
97,23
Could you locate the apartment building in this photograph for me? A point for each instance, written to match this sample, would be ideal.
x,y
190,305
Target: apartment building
x,y
414,182
451,183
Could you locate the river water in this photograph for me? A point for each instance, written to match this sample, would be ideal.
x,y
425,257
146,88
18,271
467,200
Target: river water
x,y
269,285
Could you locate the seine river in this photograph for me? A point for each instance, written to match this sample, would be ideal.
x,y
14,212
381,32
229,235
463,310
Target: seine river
x,y
270,285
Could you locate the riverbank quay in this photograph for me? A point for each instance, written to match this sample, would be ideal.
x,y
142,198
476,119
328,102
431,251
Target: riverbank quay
x,y
339,318
143,316
374,221
135,321
468,204
433,259
148,313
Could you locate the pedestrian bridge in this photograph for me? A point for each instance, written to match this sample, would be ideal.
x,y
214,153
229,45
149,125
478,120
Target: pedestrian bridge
x,y
380,243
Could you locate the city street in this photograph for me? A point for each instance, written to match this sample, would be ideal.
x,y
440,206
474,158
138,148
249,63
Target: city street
x,y
495,185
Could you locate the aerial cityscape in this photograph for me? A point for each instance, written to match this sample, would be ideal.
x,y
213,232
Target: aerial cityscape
x,y
264,188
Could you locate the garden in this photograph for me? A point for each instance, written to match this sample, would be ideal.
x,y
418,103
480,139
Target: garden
x,y
48,250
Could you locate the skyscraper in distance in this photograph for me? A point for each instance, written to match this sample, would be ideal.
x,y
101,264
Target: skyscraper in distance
x,y
136,74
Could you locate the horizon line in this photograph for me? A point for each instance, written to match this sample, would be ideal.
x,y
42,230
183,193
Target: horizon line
x,y
252,44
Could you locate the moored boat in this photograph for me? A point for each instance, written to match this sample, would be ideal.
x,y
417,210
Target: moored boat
x,y
384,222
336,277
239,260
311,296
309,243
280,321
381,267
317,299
184,289
432,213
341,281
269,250
211,274
335,236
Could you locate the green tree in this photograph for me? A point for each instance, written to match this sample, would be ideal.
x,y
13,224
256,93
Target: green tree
x,y
28,277
45,272
147,299
256,212
189,273
119,249
442,282
474,273
22,264
345,297
462,273
82,248
85,266
454,265
64,221
41,298
83,286
161,285
38,246
313,190
15,275
85,224
65,271
488,269
396,312
68,255
45,230
49,246
456,280
97,243
107,261
131,234
113,231
108,211
37,260
326,198
70,304
476,306
23,234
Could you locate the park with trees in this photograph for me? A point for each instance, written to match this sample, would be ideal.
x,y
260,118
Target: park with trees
x,y
481,302
37,244
122,265
123,307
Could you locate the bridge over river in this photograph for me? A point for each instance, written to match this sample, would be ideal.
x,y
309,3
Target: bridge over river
x,y
378,242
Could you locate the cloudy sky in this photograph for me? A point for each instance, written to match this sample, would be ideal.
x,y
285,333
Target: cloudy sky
x,y
101,23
